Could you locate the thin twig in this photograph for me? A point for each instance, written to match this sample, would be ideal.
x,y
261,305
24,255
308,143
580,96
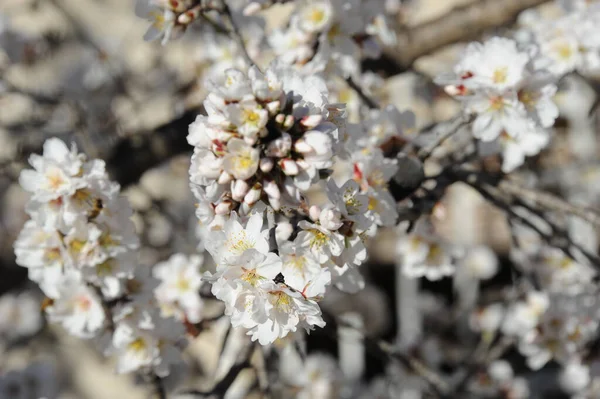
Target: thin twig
x,y
425,153
438,384
370,102
221,387
550,202
237,35
461,24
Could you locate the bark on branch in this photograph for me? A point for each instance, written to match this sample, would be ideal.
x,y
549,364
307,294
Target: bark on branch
x,y
462,23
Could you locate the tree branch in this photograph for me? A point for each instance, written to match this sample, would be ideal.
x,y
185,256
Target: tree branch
x,y
135,155
550,202
462,23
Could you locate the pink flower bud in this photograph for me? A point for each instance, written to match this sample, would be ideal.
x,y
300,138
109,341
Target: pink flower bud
x,y
280,118
302,147
311,121
289,122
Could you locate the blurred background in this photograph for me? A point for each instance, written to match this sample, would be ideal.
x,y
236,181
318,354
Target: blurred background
x,y
80,70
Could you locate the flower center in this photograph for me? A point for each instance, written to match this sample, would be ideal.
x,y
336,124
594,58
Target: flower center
x,y
500,75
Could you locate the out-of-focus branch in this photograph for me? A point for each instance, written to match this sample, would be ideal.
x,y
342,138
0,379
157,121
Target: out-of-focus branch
x,y
237,35
386,350
490,188
135,155
550,202
462,23
221,387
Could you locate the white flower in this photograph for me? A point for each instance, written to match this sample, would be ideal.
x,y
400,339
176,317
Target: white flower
x,y
137,349
19,315
422,258
322,242
316,147
43,253
373,171
315,16
575,377
352,204
320,377
560,273
227,245
250,270
241,160
524,315
55,172
496,113
480,262
515,149
302,271
205,167
78,309
487,320
267,86
330,218
234,85
249,118
180,283
496,64
286,311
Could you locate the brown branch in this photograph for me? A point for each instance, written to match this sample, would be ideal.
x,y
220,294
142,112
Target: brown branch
x,y
387,351
133,156
462,23
550,202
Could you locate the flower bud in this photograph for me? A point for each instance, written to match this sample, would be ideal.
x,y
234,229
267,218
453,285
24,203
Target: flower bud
x,y
283,231
254,194
314,212
224,178
280,147
239,188
330,218
224,207
273,107
302,147
272,189
311,121
280,118
275,203
289,122
266,165
291,189
289,167
252,9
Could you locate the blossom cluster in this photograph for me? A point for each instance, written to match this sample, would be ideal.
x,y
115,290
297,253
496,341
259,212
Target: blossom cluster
x,y
508,94
267,140
339,31
80,247
568,43
171,18
266,136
